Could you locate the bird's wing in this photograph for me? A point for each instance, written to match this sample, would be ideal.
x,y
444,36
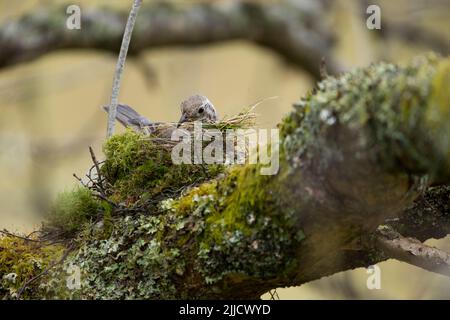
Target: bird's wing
x,y
129,117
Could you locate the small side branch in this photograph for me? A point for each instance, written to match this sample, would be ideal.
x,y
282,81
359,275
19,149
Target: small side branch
x,y
413,251
429,217
306,36
323,68
410,33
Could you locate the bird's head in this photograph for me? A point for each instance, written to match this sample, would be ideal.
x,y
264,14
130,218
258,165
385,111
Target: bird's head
x,y
197,108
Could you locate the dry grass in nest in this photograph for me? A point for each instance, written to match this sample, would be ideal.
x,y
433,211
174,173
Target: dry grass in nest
x,y
161,131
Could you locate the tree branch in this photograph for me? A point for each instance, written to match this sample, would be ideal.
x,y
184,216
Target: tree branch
x,y
295,31
428,217
354,155
411,33
413,251
46,271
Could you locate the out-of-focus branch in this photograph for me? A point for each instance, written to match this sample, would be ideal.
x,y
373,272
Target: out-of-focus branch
x,y
295,30
429,217
415,35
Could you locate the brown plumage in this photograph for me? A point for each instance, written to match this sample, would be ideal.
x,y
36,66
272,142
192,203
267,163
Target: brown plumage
x,y
197,108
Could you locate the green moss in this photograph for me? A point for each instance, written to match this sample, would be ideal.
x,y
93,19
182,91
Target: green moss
x,y
247,201
72,210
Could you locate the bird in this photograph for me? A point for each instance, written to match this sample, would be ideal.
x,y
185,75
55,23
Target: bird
x,y
195,108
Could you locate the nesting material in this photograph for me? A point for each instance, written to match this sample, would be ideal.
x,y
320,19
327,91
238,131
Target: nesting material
x,y
161,132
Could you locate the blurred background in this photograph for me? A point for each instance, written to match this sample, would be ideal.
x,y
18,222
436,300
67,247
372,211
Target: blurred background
x,y
50,109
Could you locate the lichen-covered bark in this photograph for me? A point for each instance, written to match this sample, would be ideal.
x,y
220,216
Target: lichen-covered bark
x,y
428,217
355,152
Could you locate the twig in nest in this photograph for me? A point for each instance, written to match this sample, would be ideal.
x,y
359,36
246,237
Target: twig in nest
x,y
26,238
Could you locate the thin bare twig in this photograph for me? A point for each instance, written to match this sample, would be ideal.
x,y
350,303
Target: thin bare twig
x,y
26,238
80,180
52,265
44,241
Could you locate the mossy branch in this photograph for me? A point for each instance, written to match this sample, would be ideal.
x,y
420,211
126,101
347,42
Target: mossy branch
x,y
359,150
120,66
305,39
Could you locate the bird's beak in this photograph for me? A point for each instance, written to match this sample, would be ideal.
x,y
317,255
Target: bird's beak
x,y
182,119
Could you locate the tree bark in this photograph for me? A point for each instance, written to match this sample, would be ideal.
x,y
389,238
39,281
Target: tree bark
x,y
412,251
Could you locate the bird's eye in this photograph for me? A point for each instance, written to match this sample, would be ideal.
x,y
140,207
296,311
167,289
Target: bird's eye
x,y
200,110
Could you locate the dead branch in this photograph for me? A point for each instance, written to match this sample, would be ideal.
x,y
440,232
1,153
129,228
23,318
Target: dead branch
x,y
69,249
120,66
413,251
